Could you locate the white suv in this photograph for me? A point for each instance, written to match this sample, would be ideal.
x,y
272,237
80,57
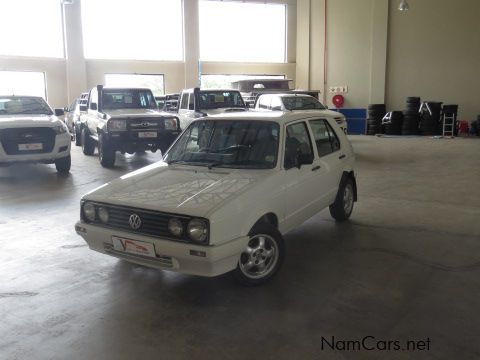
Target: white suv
x,y
297,102
224,194
30,132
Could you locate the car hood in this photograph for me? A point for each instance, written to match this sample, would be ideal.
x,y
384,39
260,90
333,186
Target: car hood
x,y
178,189
133,113
28,121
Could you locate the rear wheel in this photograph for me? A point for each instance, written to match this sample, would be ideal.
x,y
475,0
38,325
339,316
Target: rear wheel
x,y
88,145
63,164
106,153
78,136
262,257
342,208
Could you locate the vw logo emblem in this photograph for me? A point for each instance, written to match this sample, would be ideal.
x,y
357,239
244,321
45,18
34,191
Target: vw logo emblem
x,y
145,124
135,221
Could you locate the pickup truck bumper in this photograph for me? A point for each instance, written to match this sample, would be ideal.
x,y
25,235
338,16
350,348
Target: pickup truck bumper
x,y
132,141
61,149
169,255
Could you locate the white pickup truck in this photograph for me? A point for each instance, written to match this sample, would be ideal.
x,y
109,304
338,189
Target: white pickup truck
x,y
30,132
125,120
196,103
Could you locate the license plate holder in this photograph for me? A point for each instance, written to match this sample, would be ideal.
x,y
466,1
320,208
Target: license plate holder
x,y
30,147
135,247
147,134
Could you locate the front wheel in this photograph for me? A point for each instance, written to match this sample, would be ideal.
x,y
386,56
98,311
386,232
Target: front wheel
x,y
342,208
106,153
63,164
262,257
77,135
88,146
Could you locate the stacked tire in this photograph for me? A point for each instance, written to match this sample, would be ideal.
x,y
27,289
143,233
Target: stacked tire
x,y
376,112
411,116
430,122
394,126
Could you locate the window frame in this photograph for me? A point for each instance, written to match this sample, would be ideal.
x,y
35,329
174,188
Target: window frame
x,y
329,129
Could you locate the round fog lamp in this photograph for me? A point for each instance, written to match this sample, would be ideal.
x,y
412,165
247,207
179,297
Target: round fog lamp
x,y
175,226
89,211
197,230
103,214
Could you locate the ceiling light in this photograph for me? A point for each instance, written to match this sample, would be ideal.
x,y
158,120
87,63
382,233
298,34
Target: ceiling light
x,y
403,6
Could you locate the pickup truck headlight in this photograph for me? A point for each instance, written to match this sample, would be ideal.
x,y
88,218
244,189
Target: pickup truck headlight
x,y
197,230
170,124
175,227
117,125
60,129
89,211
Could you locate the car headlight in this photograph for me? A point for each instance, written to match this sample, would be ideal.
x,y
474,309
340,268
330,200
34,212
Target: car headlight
x,y
89,211
170,124
175,227
117,125
103,214
60,129
197,230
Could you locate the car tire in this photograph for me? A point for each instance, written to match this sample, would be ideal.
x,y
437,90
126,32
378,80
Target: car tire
x,y
106,153
342,208
88,145
78,136
63,164
262,258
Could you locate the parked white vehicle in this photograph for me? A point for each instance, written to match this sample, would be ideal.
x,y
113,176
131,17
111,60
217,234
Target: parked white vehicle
x,y
296,102
30,132
196,103
224,194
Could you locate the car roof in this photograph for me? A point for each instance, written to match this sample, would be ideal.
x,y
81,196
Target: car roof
x,y
125,88
260,80
21,96
287,95
280,117
210,90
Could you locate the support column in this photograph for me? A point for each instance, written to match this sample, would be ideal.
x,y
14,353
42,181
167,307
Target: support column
x,y
302,77
317,46
191,41
76,70
378,51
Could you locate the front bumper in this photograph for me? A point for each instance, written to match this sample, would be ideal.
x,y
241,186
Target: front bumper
x,y
129,141
170,255
61,149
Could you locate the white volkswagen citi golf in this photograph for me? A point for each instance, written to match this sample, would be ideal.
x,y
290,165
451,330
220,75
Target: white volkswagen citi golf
x,y
224,194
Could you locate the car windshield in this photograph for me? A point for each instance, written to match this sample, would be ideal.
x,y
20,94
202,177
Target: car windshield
x,y
16,105
220,99
302,103
128,99
245,144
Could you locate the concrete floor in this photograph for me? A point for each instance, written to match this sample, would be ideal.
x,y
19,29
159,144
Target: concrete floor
x,y
406,267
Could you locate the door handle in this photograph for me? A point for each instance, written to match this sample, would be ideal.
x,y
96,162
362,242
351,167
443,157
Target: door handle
x,y
342,156
315,168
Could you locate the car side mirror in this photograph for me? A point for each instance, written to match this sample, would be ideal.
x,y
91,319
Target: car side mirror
x,y
59,112
83,107
93,106
304,159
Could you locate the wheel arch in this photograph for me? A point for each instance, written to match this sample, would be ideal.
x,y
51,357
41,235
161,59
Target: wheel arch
x,y
269,218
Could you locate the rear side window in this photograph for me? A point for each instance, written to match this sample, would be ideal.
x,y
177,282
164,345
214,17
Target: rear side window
x,y
325,138
184,103
297,142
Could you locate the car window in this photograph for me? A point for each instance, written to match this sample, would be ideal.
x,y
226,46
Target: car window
x,y
297,141
220,99
333,138
276,104
325,138
93,98
302,103
16,105
184,103
264,102
191,103
128,99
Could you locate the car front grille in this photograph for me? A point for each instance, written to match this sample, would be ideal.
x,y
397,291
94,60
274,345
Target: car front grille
x,y
145,124
153,223
12,138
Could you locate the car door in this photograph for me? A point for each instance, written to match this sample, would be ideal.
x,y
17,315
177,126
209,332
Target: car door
x,y
92,112
184,113
301,183
329,158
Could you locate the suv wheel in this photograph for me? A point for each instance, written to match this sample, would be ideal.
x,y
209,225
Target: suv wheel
x,y
262,258
63,164
78,135
106,153
88,145
342,208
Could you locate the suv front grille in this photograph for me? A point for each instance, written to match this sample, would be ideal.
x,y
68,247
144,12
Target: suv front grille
x,y
12,138
146,124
